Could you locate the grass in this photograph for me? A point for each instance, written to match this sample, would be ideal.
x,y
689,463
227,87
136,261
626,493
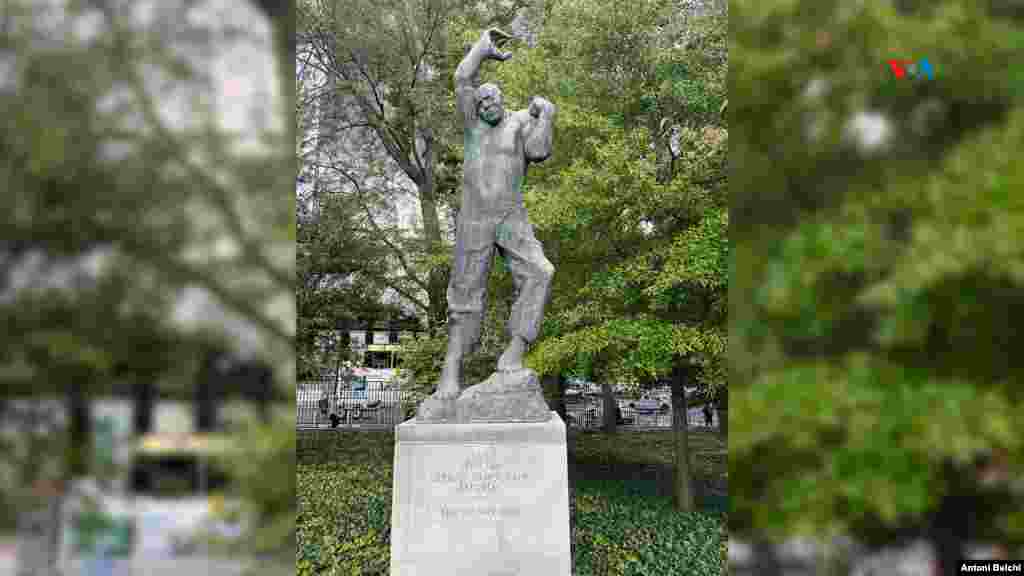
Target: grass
x,y
625,524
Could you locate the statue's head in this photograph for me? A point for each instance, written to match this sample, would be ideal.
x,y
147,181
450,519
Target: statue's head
x,y
490,104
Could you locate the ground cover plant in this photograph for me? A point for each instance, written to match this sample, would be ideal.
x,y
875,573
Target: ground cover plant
x,y
624,521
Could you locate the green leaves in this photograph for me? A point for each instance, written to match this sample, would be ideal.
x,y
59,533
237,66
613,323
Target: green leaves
x,y
636,535
699,256
622,527
344,506
629,348
877,431
640,258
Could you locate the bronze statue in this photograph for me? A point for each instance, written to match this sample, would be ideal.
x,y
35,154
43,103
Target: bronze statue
x,y
499,145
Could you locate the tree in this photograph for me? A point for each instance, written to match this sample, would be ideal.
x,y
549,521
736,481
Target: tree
x,y
383,116
384,142
639,250
877,268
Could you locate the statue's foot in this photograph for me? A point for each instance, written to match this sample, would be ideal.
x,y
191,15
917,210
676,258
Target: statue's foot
x,y
512,358
446,391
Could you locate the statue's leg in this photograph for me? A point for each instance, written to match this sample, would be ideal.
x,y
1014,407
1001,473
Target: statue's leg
x,y
467,296
531,273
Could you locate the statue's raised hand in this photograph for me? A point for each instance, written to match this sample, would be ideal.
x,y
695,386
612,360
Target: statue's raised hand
x,y
493,39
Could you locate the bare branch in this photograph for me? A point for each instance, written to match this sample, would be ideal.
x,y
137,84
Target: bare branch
x,y
382,235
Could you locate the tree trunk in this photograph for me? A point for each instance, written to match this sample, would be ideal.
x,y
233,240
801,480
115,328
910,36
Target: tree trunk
x,y
554,386
265,392
205,407
437,281
144,401
722,407
683,480
209,383
766,560
80,419
204,402
608,396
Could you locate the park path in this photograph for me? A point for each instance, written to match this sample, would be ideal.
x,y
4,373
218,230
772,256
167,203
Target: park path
x,y
143,565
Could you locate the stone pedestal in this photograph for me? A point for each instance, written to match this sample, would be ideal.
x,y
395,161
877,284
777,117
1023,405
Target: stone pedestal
x,y
480,499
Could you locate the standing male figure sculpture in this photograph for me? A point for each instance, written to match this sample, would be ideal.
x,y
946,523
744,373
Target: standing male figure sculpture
x,y
499,145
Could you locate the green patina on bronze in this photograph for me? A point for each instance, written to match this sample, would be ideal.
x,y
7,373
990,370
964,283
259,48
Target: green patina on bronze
x,y
503,233
471,145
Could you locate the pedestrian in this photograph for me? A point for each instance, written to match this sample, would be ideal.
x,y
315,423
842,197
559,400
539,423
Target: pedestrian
x,y
707,415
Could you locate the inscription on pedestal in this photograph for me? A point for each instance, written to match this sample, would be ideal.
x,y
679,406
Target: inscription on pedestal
x,y
470,503
480,475
486,512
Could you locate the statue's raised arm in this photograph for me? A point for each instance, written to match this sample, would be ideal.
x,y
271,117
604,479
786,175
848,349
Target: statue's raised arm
x,y
488,47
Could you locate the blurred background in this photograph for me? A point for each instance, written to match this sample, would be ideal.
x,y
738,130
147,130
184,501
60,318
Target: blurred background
x,y
146,286
876,295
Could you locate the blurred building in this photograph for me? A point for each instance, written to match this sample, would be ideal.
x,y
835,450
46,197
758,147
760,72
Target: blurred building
x,y
378,346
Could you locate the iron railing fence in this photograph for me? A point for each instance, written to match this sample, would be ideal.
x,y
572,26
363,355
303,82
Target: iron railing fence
x,y
330,403
587,412
366,403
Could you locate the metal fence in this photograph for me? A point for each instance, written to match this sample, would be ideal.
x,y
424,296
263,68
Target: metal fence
x,y
378,404
363,403
587,412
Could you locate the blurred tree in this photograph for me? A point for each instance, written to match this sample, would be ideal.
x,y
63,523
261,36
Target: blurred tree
x,y
133,212
877,269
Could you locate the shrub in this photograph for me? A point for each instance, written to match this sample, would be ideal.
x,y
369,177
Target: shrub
x,y
623,526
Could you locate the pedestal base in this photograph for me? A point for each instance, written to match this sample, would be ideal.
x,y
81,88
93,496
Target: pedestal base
x,y
481,499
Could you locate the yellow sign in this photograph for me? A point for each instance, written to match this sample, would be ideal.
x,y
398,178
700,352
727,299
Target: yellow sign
x,y
182,443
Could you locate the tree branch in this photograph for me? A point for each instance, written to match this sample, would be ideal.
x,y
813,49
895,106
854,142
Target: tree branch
x,y
369,215
220,196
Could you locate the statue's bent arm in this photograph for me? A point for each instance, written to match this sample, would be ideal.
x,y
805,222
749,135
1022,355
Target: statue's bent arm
x,y
537,127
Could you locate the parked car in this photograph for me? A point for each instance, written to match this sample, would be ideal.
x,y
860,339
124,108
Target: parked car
x,y
576,386
649,406
579,398
573,390
573,395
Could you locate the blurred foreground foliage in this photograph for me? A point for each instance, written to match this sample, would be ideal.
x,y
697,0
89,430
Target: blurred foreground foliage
x,y
142,223
879,266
